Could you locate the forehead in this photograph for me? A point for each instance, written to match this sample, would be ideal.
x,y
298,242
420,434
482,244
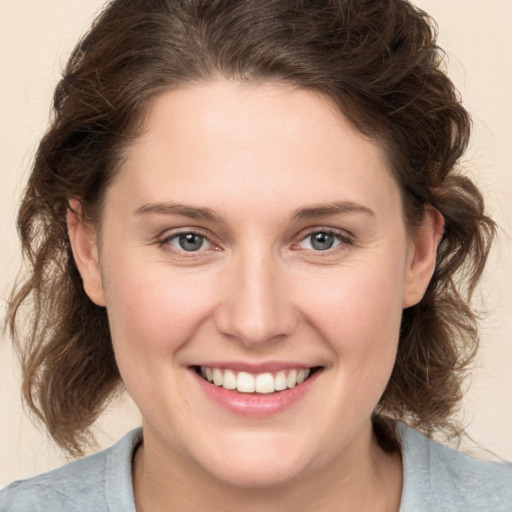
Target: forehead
x,y
242,142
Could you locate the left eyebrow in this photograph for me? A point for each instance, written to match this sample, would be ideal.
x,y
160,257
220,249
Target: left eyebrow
x,y
326,210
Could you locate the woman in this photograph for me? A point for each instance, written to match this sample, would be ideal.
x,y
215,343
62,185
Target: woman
x,y
249,215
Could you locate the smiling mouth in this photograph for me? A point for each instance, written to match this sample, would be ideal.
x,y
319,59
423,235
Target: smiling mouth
x,y
265,383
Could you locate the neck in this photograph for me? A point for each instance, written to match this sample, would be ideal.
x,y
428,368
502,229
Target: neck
x,y
370,481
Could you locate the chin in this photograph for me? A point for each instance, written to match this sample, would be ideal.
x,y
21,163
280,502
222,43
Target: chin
x,y
256,475
253,464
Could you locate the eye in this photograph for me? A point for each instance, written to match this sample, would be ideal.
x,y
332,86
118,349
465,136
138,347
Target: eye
x,y
321,241
188,241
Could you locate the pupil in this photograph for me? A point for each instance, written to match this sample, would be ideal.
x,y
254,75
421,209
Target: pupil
x,y
322,241
190,241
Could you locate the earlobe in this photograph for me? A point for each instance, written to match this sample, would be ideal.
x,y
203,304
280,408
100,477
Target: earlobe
x,y
82,238
421,261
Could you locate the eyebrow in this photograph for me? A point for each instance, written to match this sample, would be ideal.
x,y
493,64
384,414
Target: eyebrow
x,y
326,210
183,210
198,213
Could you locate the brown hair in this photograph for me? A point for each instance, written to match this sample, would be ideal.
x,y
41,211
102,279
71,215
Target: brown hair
x,y
377,59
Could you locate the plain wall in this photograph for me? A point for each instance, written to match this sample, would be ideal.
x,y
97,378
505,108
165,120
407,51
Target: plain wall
x,y
35,40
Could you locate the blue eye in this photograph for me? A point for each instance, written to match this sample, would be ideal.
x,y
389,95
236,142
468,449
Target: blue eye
x,y
321,240
189,242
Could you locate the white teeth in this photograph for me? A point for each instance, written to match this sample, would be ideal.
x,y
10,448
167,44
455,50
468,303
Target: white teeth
x,y
217,377
291,380
302,375
262,383
280,381
229,380
245,382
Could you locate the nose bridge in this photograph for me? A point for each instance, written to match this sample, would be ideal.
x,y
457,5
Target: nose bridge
x,y
255,307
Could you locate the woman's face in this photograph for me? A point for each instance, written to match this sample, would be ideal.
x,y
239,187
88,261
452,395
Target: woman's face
x,y
253,237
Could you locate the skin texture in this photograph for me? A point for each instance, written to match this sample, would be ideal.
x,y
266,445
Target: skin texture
x,y
256,291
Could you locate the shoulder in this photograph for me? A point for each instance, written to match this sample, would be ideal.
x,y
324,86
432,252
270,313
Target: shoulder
x,y
93,483
60,489
449,480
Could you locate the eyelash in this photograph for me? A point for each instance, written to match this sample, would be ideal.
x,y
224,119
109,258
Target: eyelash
x,y
342,240
167,240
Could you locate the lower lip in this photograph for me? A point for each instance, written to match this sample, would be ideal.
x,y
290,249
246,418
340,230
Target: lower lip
x,y
256,404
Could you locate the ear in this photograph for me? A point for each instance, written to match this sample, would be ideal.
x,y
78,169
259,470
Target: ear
x,y
421,258
83,240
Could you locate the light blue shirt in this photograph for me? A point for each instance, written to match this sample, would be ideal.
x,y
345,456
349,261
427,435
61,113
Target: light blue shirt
x,y
436,479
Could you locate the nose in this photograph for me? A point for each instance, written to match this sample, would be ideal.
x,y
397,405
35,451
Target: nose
x,y
254,304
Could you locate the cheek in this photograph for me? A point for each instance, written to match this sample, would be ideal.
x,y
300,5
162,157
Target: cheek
x,y
359,314
154,310
362,298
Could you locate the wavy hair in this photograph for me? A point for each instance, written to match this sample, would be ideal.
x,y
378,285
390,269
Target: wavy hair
x,y
376,59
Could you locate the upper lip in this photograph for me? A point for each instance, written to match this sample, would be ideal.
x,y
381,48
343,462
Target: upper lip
x,y
255,368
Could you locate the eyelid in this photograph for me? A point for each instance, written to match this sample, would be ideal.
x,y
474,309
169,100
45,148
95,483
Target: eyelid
x,y
165,237
343,236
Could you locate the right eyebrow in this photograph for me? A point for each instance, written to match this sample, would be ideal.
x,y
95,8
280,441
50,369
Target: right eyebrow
x,y
183,210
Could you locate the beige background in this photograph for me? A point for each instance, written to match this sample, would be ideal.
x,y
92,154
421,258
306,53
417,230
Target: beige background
x,y
35,39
